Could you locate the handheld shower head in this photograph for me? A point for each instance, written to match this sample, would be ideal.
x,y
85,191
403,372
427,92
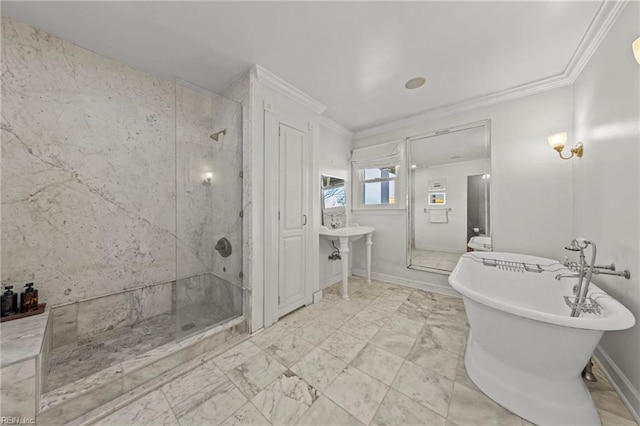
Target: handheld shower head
x,y
216,135
573,246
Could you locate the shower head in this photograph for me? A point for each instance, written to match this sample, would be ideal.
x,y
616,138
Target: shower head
x,y
216,135
573,246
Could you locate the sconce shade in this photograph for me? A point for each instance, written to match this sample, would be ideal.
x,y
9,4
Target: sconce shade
x,y
208,175
636,49
558,141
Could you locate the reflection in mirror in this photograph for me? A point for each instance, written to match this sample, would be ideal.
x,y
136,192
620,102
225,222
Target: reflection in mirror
x,y
334,202
449,196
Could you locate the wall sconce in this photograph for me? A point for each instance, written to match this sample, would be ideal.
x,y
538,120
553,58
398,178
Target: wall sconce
x,y
636,49
207,179
558,142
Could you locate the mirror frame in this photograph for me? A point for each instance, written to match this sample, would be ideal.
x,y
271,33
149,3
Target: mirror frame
x,y
409,187
334,209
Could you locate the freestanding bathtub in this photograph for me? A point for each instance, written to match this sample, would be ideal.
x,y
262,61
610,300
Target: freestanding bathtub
x,y
524,350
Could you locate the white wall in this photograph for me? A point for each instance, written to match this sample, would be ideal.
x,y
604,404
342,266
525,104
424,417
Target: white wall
x,y
530,193
451,236
606,193
333,160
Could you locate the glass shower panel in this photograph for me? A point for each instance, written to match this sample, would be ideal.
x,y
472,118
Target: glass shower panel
x,y
208,288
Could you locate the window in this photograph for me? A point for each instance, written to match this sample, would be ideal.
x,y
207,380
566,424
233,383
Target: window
x,y
378,176
379,186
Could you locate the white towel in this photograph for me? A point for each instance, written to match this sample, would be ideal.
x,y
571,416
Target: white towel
x,y
438,216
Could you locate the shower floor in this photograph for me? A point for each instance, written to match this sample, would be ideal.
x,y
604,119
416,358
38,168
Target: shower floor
x,y
95,353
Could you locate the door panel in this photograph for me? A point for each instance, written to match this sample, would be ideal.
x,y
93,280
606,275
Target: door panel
x,y
292,244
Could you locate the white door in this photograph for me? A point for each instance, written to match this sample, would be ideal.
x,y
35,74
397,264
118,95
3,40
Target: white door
x,y
292,219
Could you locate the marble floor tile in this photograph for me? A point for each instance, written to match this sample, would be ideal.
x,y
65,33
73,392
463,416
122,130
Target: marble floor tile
x,y
192,389
602,383
470,408
400,323
219,402
327,413
610,419
424,386
288,348
314,333
255,374
378,363
463,378
353,306
236,355
335,317
423,300
399,410
397,344
266,337
359,394
284,401
319,368
440,361
360,328
150,409
608,400
343,346
247,415
441,338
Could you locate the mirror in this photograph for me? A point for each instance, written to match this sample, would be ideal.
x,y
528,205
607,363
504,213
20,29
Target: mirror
x,y
334,202
449,196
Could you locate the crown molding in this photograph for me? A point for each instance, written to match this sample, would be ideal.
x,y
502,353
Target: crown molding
x,y
600,25
276,83
332,125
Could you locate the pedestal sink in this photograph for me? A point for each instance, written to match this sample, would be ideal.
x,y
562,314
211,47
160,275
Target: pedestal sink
x,y
352,232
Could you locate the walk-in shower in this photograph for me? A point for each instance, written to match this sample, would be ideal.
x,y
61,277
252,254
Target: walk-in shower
x,y
203,288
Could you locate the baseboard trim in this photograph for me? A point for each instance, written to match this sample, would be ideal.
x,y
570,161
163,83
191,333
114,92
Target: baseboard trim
x,y
420,285
628,393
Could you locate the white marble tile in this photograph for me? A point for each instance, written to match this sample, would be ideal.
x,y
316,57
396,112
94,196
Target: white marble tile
x,y
611,419
192,389
327,413
284,401
335,317
401,323
469,408
18,389
88,173
441,361
424,386
64,324
255,374
397,344
22,339
443,337
150,301
357,393
216,404
247,415
360,328
399,410
608,400
150,409
378,363
236,355
319,368
104,313
314,332
286,348
343,346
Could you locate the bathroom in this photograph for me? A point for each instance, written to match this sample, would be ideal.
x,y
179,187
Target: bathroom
x,y
116,197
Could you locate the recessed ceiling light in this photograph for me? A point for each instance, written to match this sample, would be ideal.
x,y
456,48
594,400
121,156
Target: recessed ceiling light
x,y
414,83
413,166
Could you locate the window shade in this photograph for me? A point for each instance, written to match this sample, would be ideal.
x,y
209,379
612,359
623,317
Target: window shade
x,y
385,154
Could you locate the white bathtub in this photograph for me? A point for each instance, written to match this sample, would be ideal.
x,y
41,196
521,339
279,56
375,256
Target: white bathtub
x,y
524,350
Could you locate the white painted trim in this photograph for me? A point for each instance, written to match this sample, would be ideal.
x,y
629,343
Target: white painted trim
x,y
332,125
602,22
625,389
276,83
420,285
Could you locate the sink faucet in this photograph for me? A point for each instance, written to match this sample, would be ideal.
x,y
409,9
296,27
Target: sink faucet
x,y
335,224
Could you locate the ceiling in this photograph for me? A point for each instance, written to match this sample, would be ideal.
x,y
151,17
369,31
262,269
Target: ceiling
x,y
437,150
354,57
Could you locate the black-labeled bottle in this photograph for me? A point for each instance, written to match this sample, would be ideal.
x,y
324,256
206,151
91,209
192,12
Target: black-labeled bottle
x,y
8,302
29,299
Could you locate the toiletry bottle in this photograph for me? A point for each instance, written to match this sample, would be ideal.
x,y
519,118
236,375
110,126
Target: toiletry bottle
x,y
9,302
29,299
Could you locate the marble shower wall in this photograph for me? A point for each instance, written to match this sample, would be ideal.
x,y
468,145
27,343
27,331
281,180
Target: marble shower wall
x,y
89,180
